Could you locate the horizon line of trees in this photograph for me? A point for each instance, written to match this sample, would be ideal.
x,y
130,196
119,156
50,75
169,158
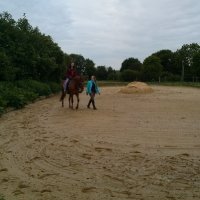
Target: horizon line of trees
x,y
26,53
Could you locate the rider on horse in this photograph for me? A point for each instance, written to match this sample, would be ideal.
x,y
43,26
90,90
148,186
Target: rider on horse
x,y
70,74
72,84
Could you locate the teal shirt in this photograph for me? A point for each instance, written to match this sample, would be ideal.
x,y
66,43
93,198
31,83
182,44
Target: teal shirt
x,y
89,87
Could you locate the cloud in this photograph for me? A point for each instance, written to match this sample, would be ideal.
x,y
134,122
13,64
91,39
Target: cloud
x,y
110,31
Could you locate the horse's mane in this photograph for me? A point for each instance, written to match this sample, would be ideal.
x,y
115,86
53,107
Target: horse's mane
x,y
76,83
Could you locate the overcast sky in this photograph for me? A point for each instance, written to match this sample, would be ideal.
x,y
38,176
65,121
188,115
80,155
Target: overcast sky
x,y
109,31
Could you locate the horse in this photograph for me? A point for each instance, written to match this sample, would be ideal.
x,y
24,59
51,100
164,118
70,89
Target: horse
x,y
75,87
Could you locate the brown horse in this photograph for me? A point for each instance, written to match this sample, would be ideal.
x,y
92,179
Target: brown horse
x,y
74,88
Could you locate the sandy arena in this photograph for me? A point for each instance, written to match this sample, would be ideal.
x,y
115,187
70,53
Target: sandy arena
x,y
135,146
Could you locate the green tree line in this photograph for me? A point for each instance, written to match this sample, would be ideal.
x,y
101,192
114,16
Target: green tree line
x,y
26,53
165,65
32,64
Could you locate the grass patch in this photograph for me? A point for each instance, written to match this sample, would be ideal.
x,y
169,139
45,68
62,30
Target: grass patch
x,y
185,84
1,197
111,83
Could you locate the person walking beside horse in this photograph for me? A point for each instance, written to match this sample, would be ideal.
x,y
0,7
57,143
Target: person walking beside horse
x,y
92,89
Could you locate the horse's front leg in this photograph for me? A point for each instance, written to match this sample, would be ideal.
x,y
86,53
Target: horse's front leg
x,y
71,101
77,105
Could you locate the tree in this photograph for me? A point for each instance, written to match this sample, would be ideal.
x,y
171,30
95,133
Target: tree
x,y
6,19
7,72
27,53
132,64
111,74
89,67
152,68
101,73
196,65
23,24
185,57
166,59
187,52
129,75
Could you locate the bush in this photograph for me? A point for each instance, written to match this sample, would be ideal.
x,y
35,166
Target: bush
x,y
39,88
1,112
22,92
55,87
14,98
130,75
2,105
29,96
4,88
166,76
1,197
2,102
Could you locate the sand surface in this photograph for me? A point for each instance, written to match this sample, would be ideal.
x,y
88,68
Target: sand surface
x,y
135,146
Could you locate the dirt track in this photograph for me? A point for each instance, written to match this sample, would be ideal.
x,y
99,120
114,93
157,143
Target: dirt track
x,y
138,146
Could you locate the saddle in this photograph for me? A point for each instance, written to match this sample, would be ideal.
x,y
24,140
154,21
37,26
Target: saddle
x,y
79,88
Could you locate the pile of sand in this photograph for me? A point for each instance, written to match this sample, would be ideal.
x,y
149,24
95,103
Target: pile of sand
x,y
136,87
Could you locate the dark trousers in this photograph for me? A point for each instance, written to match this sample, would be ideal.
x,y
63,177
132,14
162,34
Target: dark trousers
x,y
92,95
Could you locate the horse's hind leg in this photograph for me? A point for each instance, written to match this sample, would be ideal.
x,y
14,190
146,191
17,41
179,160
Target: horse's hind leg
x,y
69,101
72,102
62,97
62,102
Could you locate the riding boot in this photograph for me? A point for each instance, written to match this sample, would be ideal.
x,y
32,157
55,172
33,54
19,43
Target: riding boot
x,y
67,87
93,103
88,106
